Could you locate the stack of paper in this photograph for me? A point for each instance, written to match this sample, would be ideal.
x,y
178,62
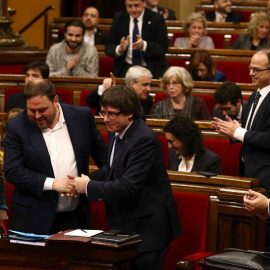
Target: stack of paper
x,y
82,233
28,238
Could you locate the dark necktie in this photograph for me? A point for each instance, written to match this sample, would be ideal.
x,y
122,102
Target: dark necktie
x,y
136,54
116,147
255,102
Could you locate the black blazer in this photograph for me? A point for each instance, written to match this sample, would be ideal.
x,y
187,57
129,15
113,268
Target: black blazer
x,y
231,17
206,160
100,37
154,32
137,189
256,146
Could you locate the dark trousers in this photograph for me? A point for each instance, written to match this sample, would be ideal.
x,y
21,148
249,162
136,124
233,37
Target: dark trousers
x,y
69,220
150,260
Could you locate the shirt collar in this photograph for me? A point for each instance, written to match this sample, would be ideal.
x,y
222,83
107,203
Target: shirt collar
x,y
123,133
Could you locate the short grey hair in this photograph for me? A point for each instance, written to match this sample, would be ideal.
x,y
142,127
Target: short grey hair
x,y
135,73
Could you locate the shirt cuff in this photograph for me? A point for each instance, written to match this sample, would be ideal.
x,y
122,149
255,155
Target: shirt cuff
x,y
117,51
239,134
86,188
48,183
101,89
144,46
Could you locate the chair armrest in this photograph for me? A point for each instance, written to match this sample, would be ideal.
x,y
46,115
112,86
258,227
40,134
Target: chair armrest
x,y
190,262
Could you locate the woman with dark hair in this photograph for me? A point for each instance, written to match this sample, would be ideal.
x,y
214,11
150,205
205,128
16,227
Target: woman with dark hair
x,y
187,153
203,68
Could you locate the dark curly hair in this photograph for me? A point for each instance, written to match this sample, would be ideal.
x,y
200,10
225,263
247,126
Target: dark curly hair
x,y
186,131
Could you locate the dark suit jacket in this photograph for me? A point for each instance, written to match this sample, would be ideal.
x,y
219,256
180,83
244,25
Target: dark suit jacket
x,y
256,146
27,164
217,113
137,189
154,32
93,98
231,17
100,37
171,16
206,160
245,42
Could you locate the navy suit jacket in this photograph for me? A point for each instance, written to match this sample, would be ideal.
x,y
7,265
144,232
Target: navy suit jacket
x,y
27,164
137,189
206,160
154,32
100,37
256,146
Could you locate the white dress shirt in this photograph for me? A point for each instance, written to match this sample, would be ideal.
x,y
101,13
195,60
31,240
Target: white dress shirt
x,y
62,158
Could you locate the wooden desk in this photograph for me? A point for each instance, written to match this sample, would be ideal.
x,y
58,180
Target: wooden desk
x,y
67,255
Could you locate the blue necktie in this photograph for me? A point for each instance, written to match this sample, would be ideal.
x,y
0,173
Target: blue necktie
x,y
255,102
136,54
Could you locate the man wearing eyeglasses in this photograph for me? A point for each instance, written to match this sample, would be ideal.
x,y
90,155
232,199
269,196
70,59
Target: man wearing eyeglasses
x,y
229,101
254,132
136,188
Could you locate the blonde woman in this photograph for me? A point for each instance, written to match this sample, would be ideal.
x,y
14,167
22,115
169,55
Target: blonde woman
x,y
178,83
257,36
195,29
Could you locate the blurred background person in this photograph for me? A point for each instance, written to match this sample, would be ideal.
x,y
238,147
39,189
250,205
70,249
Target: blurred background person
x,y
203,68
229,102
93,35
187,153
195,29
3,203
223,12
167,13
257,36
178,83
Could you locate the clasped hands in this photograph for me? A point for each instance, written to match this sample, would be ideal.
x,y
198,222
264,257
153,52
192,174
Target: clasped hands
x,y
71,186
227,127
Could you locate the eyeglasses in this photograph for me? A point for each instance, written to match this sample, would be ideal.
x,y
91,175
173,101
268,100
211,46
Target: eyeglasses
x,y
110,115
257,70
171,83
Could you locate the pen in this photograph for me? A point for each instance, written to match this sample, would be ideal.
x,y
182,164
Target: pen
x,y
83,230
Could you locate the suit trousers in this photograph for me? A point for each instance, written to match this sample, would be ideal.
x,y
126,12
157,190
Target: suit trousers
x,y
153,260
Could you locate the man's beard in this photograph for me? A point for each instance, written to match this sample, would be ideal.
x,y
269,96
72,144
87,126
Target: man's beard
x,y
77,45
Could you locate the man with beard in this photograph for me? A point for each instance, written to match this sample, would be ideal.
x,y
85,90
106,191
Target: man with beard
x,y
72,56
229,102
223,12
43,146
93,35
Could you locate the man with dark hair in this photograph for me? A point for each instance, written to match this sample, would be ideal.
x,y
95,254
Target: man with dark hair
x,y
43,146
229,101
93,35
167,13
136,187
138,36
34,70
72,56
223,12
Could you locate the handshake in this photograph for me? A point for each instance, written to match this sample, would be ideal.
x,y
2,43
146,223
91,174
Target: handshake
x,y
71,186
